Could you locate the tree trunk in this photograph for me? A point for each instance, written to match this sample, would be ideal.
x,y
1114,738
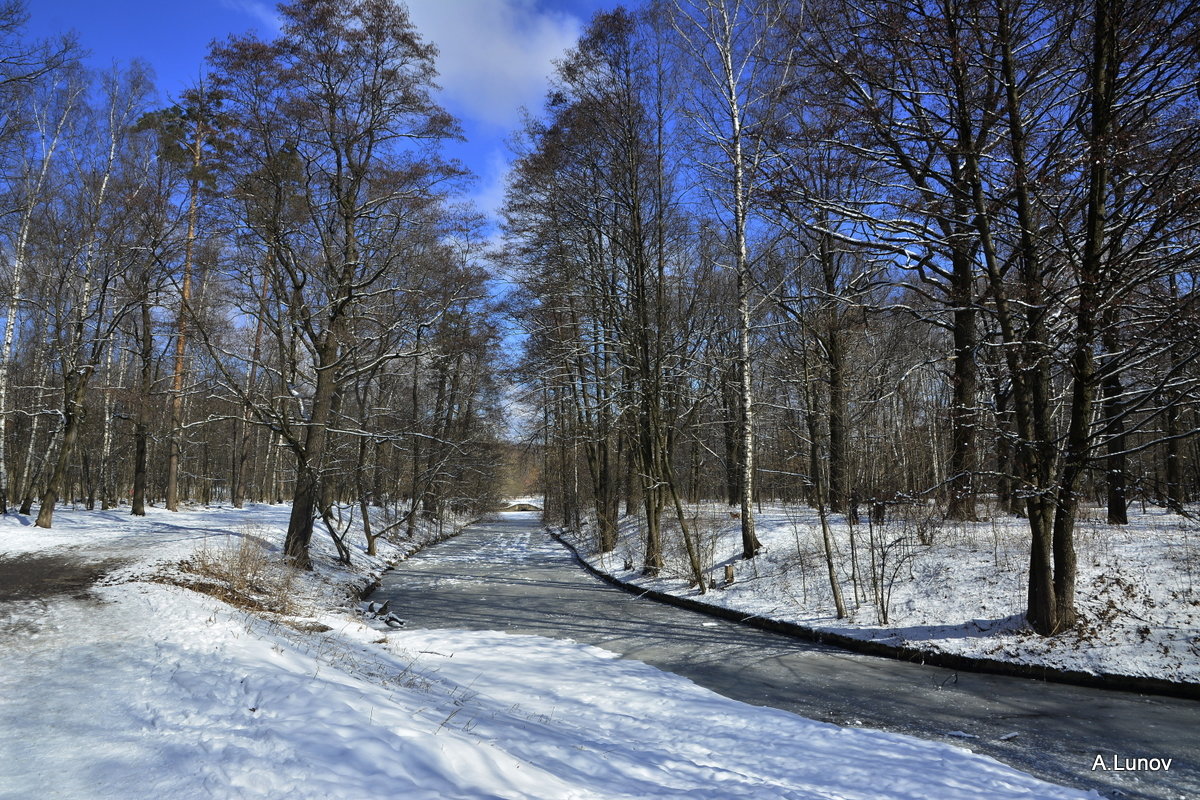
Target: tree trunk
x,y
837,497
963,414
730,429
1007,501
1041,607
1026,352
237,464
310,458
140,435
49,145
1172,473
1083,378
839,490
415,484
141,421
632,484
1174,493
820,492
607,500
74,413
300,522
107,490
185,299
32,472
689,540
652,559
88,479
1114,409
750,543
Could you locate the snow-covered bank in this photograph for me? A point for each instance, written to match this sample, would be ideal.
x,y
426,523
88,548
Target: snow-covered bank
x,y
152,690
962,594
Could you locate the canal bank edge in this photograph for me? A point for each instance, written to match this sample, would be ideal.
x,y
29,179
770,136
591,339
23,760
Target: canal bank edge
x,y
1126,683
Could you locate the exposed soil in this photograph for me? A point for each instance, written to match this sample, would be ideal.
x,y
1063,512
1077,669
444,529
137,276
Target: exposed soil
x,y
37,576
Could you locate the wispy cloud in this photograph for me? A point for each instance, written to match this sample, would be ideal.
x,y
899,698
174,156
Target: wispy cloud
x,y
492,175
264,14
494,54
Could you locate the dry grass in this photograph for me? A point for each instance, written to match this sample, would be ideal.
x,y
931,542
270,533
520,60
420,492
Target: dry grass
x,y
242,571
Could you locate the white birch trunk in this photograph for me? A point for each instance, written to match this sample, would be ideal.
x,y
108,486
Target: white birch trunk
x,y
79,364
106,496
50,140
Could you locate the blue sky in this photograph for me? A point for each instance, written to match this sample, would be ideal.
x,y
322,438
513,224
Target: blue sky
x,y
495,54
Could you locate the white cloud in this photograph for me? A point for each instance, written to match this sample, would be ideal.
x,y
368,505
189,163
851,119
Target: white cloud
x,y
493,180
264,14
494,55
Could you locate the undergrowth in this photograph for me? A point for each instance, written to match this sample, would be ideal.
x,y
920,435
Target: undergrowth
x,y
242,571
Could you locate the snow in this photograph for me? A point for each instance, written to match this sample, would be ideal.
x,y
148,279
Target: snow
x,y
147,689
1138,587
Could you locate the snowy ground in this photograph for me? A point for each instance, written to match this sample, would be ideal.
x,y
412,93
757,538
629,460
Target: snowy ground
x,y
1138,588
146,689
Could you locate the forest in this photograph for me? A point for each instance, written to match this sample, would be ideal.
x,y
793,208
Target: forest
x,y
863,257
264,292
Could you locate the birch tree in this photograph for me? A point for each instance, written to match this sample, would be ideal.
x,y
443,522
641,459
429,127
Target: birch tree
x,y
39,88
740,74
52,109
87,309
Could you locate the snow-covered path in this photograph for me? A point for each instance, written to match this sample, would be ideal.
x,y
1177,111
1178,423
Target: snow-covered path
x,y
507,575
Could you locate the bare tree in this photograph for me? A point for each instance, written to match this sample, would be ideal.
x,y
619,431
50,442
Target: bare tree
x,y
328,119
741,70
48,110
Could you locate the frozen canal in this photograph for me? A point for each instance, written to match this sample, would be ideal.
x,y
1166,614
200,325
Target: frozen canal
x,y
508,575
